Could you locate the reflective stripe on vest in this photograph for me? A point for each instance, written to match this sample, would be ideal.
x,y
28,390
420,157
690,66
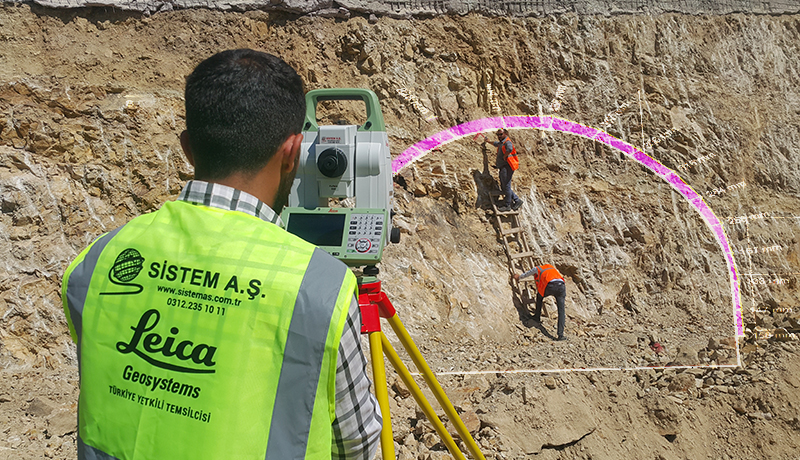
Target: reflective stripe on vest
x,y
76,285
218,339
86,452
542,281
302,360
511,158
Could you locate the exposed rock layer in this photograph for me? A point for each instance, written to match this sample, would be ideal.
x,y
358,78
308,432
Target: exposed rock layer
x,y
90,109
407,8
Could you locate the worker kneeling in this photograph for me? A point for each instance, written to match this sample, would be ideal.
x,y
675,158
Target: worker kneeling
x,y
548,282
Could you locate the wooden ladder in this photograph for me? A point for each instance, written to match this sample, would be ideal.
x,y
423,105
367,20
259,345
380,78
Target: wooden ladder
x,y
519,256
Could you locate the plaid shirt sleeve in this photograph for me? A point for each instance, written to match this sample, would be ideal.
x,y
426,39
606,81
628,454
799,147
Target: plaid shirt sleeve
x,y
528,273
358,422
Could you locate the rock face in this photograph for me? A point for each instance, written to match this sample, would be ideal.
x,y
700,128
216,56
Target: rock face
x,y
406,8
90,111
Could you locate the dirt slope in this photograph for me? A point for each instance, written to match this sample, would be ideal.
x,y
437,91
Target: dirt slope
x,y
90,110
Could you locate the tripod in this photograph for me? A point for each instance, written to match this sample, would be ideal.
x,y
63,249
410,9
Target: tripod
x,y
374,305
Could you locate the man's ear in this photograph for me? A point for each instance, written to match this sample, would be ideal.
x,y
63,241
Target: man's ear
x,y
290,152
187,149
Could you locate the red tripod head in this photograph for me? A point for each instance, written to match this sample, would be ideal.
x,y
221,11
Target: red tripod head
x,y
374,305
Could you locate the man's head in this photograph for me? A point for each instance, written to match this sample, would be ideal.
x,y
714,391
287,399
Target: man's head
x,y
241,105
501,134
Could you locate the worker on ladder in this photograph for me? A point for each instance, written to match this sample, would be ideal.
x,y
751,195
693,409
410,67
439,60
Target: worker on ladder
x,y
507,162
548,282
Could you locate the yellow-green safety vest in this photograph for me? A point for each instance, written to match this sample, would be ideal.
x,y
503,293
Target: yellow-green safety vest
x,y
204,333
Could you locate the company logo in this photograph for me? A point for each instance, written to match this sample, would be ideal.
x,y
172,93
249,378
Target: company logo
x,y
154,344
125,269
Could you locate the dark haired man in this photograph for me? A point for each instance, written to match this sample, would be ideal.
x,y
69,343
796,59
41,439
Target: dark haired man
x,y
507,162
204,330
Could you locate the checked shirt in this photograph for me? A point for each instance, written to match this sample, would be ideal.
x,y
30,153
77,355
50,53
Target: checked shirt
x,y
357,425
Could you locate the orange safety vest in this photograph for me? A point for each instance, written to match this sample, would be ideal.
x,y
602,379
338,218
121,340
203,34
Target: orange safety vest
x,y
544,274
511,158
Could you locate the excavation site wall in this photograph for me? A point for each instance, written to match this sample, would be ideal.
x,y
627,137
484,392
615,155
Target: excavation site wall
x,y
658,167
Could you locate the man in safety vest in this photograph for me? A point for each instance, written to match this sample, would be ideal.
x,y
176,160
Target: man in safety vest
x,y
507,162
548,282
206,331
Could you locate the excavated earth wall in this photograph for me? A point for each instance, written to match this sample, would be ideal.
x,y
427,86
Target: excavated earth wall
x,y
90,111
410,8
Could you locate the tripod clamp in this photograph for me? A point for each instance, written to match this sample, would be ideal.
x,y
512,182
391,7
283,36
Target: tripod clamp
x,y
374,305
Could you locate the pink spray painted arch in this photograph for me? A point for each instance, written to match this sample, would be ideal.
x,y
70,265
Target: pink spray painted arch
x,y
423,147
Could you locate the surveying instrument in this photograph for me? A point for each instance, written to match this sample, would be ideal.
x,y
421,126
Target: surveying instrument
x,y
341,201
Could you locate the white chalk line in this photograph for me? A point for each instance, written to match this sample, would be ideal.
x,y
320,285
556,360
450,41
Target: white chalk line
x,y
592,369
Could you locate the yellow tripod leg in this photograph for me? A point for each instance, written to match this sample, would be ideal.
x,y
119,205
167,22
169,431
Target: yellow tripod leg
x,y
381,393
433,384
422,401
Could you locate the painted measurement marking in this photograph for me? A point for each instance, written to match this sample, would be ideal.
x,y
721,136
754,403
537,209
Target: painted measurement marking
x,y
653,141
583,369
414,101
741,250
612,116
765,281
720,191
493,102
698,161
774,310
470,128
556,104
745,219
763,334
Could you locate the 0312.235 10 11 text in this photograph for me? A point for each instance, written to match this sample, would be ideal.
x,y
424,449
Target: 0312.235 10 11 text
x,y
195,306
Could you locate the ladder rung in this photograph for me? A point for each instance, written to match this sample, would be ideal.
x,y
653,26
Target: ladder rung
x,y
521,255
510,231
507,213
